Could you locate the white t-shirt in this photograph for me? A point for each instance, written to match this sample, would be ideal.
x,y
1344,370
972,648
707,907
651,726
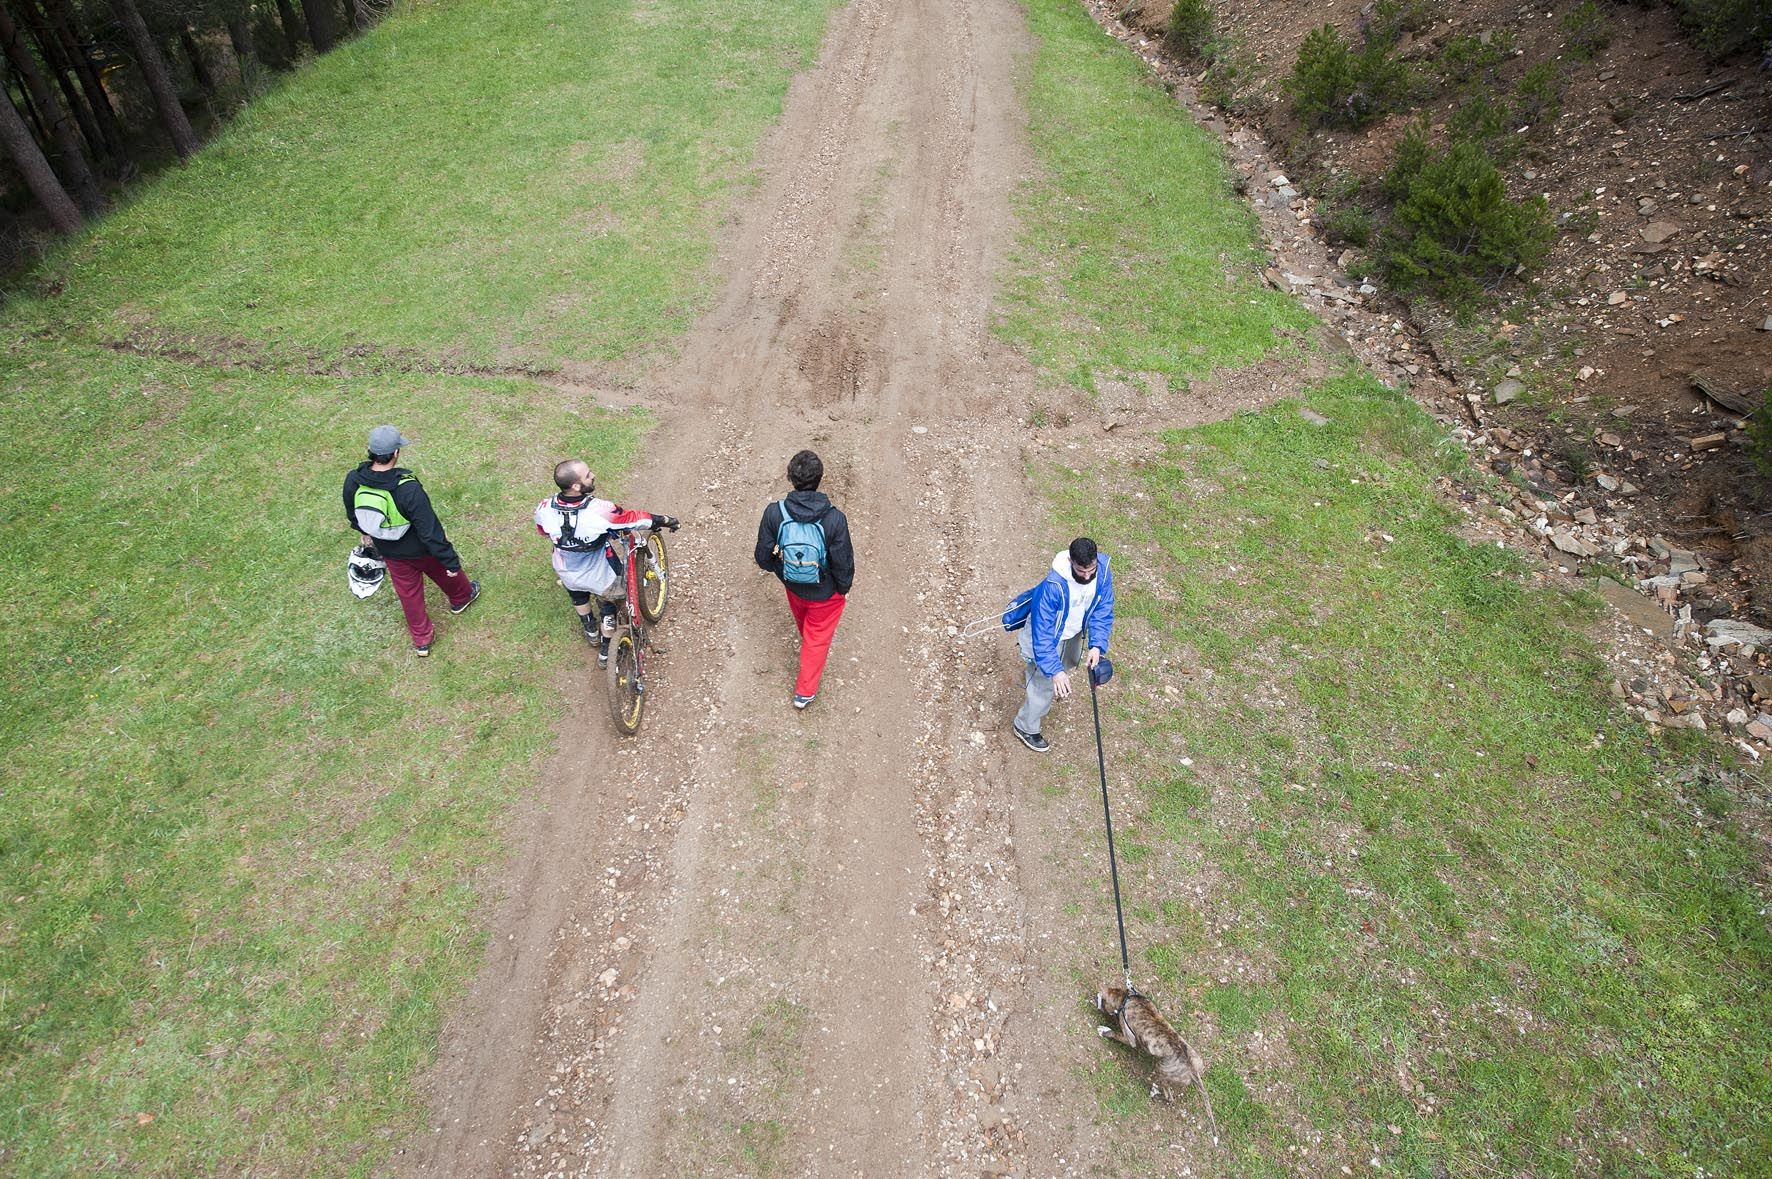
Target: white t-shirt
x,y
1082,596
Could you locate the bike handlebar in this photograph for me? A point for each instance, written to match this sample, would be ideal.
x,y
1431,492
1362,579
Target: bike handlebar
x,y
668,524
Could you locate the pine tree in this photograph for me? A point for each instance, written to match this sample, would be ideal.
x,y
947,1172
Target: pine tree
x,y
58,124
39,176
153,66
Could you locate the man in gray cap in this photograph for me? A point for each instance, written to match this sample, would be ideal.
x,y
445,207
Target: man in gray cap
x,y
386,503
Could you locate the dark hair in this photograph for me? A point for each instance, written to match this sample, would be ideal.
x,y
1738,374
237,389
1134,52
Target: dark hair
x,y
805,471
379,459
566,474
1082,551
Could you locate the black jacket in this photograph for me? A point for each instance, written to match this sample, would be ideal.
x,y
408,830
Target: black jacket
x,y
425,538
839,570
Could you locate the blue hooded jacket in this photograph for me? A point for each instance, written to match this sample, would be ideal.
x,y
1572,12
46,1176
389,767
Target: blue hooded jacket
x,y
1051,606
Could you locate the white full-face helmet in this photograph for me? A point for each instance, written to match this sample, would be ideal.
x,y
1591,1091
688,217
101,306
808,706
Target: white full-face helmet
x,y
365,571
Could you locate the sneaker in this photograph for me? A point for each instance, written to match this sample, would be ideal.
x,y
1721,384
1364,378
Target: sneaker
x,y
422,650
1033,741
589,627
602,652
802,701
473,593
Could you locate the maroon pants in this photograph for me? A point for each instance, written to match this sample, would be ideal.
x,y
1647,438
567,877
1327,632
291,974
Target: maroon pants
x,y
818,623
409,576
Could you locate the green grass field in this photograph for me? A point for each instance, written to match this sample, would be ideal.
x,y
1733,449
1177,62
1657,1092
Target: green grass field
x,y
242,828
1425,898
494,184
1135,258
242,823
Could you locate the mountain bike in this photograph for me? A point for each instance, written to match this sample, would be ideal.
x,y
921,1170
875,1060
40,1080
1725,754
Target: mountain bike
x,y
646,572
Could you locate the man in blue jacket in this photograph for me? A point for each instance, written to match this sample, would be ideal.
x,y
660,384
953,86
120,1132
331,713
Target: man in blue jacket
x,y
1074,602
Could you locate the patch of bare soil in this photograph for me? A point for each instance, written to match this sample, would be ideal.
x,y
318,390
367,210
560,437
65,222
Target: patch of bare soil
x,y
1658,165
355,360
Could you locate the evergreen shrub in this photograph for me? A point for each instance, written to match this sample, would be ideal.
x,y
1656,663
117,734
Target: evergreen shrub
x,y
1453,232
1759,434
1587,29
1723,27
1190,33
1333,86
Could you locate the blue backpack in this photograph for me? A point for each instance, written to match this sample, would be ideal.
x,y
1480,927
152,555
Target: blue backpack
x,y
801,543
1020,610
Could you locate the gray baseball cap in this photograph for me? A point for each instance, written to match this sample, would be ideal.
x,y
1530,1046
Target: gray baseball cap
x,y
386,440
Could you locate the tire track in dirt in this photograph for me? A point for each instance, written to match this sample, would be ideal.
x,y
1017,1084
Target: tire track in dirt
x,y
754,939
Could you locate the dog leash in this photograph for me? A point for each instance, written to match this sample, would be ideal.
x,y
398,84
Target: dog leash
x,y
1107,814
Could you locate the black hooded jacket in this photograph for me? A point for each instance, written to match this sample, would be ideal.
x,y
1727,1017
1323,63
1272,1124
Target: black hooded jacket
x,y
425,538
809,506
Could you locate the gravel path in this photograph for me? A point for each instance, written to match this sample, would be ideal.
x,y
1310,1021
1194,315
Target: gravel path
x,y
759,941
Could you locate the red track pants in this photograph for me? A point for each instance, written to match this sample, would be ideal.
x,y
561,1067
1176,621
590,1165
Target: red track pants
x,y
409,576
818,623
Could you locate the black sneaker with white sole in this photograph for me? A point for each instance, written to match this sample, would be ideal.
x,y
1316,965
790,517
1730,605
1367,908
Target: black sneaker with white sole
x,y
1033,741
602,652
473,596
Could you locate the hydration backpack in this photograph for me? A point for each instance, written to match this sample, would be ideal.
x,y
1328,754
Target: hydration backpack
x,y
377,514
569,540
801,543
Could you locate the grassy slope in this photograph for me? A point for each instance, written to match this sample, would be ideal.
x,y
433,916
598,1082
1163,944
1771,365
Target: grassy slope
x,y
240,827
508,183
1134,260
1455,911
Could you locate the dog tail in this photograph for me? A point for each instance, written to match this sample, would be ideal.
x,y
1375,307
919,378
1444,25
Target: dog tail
x,y
1200,1084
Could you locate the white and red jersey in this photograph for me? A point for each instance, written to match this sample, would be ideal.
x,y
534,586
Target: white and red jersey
x,y
580,535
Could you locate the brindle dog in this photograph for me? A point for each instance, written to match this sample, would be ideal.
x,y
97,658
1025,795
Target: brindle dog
x,y
1141,1026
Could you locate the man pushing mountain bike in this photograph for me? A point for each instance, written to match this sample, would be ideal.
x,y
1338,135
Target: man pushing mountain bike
x,y
580,526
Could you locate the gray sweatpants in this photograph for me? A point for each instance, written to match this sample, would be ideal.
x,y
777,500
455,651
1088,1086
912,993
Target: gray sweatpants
x,y
1039,701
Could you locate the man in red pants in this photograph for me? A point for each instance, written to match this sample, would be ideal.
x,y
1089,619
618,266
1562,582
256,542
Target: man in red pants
x,y
804,540
387,504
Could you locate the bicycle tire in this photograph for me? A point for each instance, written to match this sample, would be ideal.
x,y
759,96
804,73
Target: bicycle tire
x,y
627,696
655,586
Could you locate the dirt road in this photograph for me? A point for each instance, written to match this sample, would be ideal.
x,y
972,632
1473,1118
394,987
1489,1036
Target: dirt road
x,y
754,939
